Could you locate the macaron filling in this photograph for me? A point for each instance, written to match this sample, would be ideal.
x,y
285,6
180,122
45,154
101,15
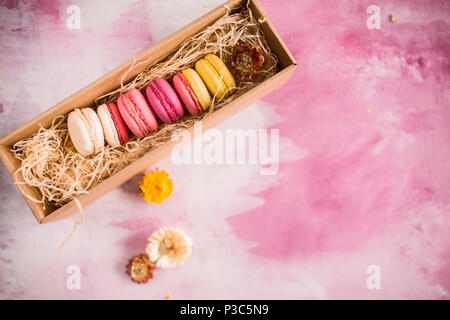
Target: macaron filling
x,y
165,102
198,107
134,112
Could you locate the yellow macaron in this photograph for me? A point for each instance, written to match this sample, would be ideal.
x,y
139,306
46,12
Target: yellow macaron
x,y
198,87
216,76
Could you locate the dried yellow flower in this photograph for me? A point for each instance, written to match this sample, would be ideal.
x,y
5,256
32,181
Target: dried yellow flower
x,y
156,186
168,247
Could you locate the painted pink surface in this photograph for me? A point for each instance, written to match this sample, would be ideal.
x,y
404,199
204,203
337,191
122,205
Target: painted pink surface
x,y
363,178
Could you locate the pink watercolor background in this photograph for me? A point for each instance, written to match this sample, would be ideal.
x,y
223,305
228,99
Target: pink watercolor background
x,y
364,146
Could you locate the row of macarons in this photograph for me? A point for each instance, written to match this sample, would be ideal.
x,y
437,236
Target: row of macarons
x,y
112,122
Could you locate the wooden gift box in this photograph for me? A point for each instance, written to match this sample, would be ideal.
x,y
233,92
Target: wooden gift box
x,y
111,81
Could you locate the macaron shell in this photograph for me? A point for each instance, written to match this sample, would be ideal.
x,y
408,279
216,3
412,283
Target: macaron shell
x,y
222,71
121,127
199,88
186,94
95,128
211,78
144,109
164,101
109,129
136,113
129,115
79,134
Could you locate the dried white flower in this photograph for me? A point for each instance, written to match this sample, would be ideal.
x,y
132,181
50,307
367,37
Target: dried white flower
x,y
168,247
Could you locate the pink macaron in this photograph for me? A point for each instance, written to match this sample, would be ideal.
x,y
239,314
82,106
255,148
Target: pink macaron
x,y
164,101
136,113
186,94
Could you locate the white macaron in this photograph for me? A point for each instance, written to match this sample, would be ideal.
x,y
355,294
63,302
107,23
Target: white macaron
x,y
85,131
